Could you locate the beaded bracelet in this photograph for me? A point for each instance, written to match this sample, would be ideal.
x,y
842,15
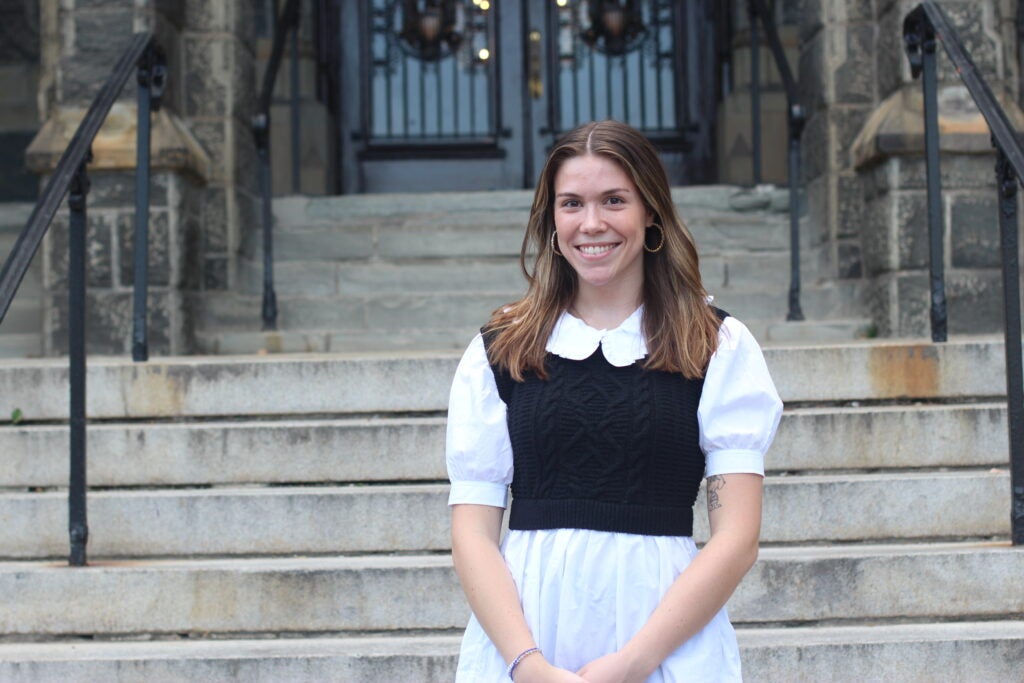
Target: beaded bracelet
x,y
515,662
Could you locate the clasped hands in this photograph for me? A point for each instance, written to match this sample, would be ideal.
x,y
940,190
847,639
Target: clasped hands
x,y
611,668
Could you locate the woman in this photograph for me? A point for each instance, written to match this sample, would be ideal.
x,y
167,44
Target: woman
x,y
603,397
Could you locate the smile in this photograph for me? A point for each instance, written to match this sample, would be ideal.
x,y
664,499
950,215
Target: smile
x,y
596,249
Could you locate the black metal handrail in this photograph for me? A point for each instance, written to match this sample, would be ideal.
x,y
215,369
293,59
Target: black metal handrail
x,y
70,179
922,28
796,117
287,22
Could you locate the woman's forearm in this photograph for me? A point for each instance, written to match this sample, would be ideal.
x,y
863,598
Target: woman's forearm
x,y
485,578
704,587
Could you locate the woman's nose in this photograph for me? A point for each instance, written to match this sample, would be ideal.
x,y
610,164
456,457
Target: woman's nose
x,y
591,220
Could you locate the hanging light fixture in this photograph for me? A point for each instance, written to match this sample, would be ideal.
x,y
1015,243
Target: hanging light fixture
x,y
613,27
430,29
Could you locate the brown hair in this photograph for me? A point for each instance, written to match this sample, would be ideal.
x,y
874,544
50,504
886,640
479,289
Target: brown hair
x,y
680,328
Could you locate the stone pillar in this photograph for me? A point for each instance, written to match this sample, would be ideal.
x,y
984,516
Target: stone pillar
x,y
218,92
838,79
890,173
81,42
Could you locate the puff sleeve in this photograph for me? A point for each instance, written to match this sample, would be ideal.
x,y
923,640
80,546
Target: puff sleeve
x,y
477,447
739,408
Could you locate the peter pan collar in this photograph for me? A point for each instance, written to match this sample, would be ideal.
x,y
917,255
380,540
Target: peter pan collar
x,y
573,339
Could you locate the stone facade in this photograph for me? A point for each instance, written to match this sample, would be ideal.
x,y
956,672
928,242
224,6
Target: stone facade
x,y
862,150
864,166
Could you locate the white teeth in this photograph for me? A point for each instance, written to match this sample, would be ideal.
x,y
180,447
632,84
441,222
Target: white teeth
x,y
595,250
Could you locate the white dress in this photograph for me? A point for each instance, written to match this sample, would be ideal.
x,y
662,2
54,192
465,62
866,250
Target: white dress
x,y
585,593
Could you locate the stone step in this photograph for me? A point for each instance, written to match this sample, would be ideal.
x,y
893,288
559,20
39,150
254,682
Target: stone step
x,y
317,274
278,521
313,451
377,382
304,308
960,651
965,581
810,332
241,342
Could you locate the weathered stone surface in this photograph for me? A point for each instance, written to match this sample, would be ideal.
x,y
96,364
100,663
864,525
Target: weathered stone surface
x,y
975,302
852,57
160,260
849,260
913,305
100,225
974,230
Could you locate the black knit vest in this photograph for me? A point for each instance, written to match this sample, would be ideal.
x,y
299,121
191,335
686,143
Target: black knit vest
x,y
601,447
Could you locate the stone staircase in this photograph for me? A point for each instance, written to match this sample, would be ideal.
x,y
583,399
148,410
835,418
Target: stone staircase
x,y
22,328
414,271
276,518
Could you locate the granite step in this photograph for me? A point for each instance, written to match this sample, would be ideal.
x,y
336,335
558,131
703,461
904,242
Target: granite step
x,y
289,520
379,382
915,653
393,449
296,595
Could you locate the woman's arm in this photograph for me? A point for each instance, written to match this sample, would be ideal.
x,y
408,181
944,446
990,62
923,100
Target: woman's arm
x,y
492,593
700,591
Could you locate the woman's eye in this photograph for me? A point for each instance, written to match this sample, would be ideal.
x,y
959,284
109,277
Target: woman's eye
x,y
615,200
570,203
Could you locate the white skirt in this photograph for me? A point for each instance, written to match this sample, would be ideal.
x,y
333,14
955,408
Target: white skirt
x,y
586,593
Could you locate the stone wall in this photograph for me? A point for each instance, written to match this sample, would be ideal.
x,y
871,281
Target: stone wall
x,y
204,183
864,149
19,116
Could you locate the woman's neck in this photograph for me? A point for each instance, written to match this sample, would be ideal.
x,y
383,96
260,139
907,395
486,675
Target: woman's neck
x,y
604,310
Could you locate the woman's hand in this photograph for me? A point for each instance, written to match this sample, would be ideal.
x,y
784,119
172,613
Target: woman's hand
x,y
613,668
536,669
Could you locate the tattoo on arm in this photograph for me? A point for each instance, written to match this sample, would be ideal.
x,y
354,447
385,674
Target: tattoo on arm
x,y
715,484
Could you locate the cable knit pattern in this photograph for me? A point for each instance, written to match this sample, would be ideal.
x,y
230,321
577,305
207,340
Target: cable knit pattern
x,y
603,447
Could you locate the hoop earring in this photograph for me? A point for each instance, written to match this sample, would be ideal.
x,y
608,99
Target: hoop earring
x,y
660,244
554,243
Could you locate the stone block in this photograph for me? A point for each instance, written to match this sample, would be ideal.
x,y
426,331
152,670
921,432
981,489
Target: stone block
x,y
846,123
815,226
975,302
215,273
877,236
972,22
207,76
849,260
160,259
956,172
108,329
211,132
974,230
117,189
849,205
893,69
911,229
245,171
852,47
816,145
913,305
100,226
880,302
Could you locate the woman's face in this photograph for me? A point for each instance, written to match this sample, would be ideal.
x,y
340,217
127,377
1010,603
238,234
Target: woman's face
x,y
600,220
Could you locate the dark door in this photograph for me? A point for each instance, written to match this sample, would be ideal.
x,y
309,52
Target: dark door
x,y
470,94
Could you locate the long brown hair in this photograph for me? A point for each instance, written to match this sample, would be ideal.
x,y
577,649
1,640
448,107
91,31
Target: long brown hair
x,y
680,327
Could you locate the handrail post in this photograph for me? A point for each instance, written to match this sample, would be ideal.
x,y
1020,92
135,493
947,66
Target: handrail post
x,y
755,91
1007,188
261,130
151,78
797,119
78,526
919,43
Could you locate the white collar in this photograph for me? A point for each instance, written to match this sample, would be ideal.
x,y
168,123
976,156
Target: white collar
x,y
575,340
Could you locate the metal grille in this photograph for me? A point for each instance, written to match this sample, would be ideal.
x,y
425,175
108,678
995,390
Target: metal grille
x,y
637,86
445,98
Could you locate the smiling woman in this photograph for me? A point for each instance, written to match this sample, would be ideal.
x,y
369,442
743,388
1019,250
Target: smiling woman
x,y
603,397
